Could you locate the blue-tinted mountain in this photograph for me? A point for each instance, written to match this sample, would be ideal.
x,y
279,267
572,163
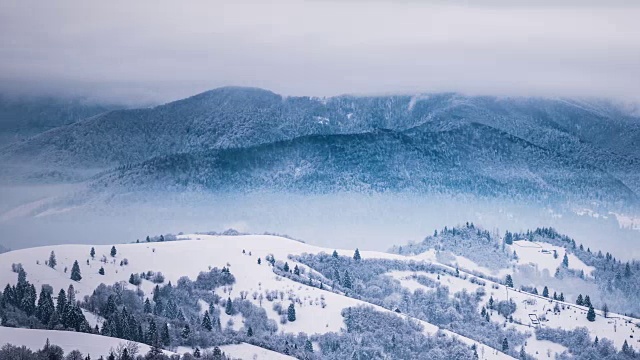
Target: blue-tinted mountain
x,y
25,116
469,158
501,145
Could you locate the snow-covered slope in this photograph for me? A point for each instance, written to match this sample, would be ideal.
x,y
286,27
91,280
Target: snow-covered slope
x,y
87,344
319,311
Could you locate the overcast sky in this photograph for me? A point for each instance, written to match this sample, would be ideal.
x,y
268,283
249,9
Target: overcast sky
x,y
156,50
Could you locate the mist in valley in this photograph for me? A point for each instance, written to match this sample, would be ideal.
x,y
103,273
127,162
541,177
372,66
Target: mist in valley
x,y
42,215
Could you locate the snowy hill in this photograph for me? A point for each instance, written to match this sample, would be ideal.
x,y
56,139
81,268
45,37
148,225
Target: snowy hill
x,y
321,301
97,345
203,251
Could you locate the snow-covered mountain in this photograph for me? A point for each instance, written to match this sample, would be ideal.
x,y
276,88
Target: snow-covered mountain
x,y
435,298
252,138
24,116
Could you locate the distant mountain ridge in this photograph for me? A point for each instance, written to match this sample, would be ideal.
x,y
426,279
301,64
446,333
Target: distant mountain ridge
x,y
470,159
25,116
246,138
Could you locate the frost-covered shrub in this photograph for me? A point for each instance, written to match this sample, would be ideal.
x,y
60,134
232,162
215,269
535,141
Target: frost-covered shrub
x,y
505,308
158,278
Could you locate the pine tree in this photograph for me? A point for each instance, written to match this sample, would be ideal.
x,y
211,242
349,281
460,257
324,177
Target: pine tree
x,y
217,353
228,308
346,281
591,314
92,253
250,331
561,298
111,305
505,345
336,276
356,255
625,348
508,281
335,254
61,302
579,300
45,307
75,272
627,270
206,321
545,292
52,260
523,354
587,301
605,310
565,261
101,271
259,261
296,270
152,333
286,267
508,238
113,251
308,346
596,341
165,338
28,301
291,313
186,331
196,353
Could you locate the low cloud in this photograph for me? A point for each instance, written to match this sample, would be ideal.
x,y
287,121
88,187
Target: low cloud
x,y
156,51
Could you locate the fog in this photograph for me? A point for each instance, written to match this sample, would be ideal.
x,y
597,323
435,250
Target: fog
x,y
373,222
156,51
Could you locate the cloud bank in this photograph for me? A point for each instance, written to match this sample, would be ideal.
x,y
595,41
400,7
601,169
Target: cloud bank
x,y
158,51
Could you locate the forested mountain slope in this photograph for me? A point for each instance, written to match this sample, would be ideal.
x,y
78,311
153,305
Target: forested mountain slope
x,y
25,116
468,158
450,142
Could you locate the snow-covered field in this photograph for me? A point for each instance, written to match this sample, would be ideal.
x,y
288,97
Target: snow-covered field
x,y
196,253
617,328
88,344
319,311
244,351
541,256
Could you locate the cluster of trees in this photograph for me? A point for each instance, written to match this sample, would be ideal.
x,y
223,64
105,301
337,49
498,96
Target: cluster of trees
x,y
22,306
468,240
171,317
581,347
128,351
456,313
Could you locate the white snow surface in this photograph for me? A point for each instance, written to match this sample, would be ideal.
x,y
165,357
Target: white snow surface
x,y
92,344
244,351
616,327
540,255
195,253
